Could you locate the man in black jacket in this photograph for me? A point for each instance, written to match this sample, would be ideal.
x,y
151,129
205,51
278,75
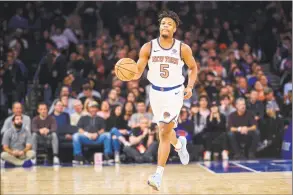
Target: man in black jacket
x,y
91,131
271,130
256,107
215,133
242,128
52,68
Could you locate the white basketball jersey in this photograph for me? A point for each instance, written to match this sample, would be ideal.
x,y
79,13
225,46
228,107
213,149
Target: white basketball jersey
x,y
165,65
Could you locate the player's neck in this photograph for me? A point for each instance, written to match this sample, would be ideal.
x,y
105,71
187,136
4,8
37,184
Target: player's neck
x,y
166,42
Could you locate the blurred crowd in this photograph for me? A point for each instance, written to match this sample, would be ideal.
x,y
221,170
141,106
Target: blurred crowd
x,y
69,49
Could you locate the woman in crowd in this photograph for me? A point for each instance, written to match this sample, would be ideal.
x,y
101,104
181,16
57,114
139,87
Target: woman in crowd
x,y
118,128
105,110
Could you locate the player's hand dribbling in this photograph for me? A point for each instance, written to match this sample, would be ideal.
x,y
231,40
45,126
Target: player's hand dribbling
x,y
187,92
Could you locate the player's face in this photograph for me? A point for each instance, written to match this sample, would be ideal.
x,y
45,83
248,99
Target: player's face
x,y
167,27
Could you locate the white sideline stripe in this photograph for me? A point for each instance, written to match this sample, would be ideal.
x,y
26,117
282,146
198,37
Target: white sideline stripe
x,y
245,167
207,169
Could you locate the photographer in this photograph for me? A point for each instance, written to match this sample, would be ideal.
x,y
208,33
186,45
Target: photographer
x,y
143,140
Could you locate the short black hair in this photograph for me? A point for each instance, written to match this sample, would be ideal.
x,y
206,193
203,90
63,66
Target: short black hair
x,y
42,103
203,97
224,97
86,87
140,102
169,14
13,118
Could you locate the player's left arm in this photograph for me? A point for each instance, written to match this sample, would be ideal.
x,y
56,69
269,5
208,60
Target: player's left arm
x,y
189,60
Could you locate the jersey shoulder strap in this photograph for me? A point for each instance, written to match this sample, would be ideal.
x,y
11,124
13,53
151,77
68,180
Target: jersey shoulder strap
x,y
179,46
154,45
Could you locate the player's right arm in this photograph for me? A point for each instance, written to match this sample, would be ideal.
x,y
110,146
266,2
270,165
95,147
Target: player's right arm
x,y
144,55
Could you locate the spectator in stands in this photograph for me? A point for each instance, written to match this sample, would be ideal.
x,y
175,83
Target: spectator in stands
x,y
271,130
246,65
17,110
88,92
18,20
203,106
260,91
194,109
242,128
60,40
86,107
128,110
242,88
58,71
252,78
118,128
141,113
224,91
66,108
210,88
199,121
117,119
226,107
143,143
105,110
91,131
271,100
255,106
130,97
264,81
113,98
231,59
231,92
17,144
215,134
62,118
185,126
118,89
74,117
287,89
287,107
15,77
44,129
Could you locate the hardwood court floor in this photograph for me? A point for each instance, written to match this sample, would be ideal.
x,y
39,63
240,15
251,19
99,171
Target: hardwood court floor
x,y
126,179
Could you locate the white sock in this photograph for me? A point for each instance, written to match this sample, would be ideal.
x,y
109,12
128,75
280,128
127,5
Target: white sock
x,y
178,146
160,170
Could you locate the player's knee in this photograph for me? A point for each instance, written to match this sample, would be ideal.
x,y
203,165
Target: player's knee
x,y
165,130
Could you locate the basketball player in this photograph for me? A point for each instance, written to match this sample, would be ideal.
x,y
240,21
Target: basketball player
x,y
165,57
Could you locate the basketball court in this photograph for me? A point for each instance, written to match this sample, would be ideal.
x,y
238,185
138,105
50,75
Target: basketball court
x,y
234,177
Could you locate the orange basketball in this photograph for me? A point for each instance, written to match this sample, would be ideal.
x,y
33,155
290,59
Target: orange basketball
x,y
125,69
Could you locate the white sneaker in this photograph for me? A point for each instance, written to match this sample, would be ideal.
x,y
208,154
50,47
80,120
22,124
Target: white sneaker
x,y
225,155
155,181
207,155
34,161
183,153
56,160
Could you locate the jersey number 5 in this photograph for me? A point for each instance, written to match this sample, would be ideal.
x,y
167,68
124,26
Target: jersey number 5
x,y
164,71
